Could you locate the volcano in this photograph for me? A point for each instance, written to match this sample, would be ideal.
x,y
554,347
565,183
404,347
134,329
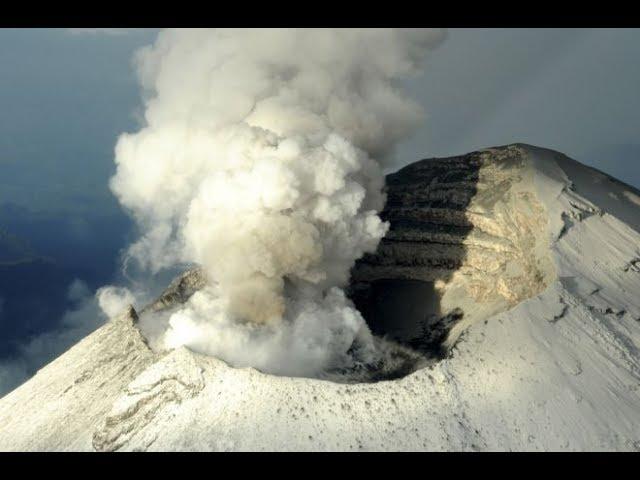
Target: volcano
x,y
506,295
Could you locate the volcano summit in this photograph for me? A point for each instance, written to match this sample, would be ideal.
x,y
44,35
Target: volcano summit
x,y
503,304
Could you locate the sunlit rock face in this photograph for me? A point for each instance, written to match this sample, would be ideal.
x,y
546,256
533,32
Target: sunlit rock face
x,y
468,238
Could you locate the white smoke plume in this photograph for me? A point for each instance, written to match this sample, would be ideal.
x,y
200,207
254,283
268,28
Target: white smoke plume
x,y
260,159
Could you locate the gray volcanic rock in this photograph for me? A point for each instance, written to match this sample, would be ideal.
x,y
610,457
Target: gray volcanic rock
x,y
178,291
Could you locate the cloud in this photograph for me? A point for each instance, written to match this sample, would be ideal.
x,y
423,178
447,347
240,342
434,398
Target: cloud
x,y
260,160
85,317
101,31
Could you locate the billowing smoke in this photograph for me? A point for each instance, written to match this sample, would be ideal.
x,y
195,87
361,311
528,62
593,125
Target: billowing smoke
x,y
260,160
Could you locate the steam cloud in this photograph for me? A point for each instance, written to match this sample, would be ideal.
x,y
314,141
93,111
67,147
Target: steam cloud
x,y
260,160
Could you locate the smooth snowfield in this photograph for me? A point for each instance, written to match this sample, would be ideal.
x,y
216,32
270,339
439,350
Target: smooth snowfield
x,y
560,371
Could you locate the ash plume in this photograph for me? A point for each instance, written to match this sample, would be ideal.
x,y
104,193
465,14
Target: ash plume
x,y
260,159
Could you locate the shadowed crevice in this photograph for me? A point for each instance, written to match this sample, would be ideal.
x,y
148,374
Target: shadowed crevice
x,y
395,289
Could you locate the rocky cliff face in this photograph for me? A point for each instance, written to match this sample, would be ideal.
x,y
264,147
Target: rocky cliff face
x,y
467,239
178,292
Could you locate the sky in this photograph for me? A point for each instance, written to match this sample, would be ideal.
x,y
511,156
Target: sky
x,y
572,90
67,94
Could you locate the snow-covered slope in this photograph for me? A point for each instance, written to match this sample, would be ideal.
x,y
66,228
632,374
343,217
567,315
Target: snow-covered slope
x,y
546,365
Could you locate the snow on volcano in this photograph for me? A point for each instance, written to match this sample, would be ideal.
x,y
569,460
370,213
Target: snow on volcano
x,y
521,265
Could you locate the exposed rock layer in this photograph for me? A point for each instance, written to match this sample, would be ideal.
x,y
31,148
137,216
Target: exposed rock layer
x,y
471,229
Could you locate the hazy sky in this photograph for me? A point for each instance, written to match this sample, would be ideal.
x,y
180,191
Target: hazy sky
x,y
573,90
65,97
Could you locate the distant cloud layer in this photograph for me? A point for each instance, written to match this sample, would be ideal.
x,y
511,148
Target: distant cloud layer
x,y
78,322
101,31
